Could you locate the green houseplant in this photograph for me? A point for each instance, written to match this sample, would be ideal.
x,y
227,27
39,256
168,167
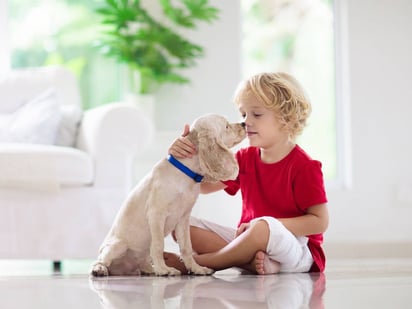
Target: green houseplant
x,y
154,51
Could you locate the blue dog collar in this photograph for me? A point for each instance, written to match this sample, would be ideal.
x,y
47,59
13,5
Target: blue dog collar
x,y
195,176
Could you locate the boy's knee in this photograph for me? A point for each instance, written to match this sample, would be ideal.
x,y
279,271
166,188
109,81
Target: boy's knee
x,y
273,225
260,231
260,225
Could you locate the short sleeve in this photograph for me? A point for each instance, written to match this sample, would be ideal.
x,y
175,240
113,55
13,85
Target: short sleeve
x,y
309,188
232,186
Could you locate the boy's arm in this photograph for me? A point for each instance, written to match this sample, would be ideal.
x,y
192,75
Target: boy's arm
x,y
209,187
315,221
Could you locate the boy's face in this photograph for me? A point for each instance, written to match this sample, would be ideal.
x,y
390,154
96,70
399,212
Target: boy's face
x,y
262,126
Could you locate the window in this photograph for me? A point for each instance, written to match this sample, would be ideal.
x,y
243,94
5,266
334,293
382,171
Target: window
x,y
298,37
45,32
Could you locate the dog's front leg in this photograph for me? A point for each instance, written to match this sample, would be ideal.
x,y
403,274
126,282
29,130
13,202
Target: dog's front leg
x,y
182,232
156,222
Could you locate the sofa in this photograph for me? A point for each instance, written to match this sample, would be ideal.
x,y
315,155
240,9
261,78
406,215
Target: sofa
x,y
64,172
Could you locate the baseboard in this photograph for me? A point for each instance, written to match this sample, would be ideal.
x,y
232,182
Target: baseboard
x,y
368,250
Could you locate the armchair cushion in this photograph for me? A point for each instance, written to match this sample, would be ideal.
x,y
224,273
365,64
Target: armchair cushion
x,y
44,167
36,121
52,95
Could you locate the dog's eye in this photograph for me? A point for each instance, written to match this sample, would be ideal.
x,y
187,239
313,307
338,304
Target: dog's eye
x,y
227,126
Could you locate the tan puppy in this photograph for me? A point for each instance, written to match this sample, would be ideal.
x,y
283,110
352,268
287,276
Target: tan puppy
x,y
162,203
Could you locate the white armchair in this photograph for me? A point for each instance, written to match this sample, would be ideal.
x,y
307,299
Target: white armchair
x,y
63,173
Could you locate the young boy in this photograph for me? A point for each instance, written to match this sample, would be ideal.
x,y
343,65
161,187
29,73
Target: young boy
x,y
284,211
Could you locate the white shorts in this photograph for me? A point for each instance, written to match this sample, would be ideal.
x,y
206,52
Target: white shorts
x,y
290,251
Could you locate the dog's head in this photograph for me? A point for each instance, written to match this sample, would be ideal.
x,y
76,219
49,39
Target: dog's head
x,y
214,135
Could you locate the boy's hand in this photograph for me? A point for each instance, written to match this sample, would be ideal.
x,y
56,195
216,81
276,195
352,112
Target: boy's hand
x,y
243,227
182,147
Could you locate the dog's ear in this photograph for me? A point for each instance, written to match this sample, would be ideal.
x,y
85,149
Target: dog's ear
x,y
216,159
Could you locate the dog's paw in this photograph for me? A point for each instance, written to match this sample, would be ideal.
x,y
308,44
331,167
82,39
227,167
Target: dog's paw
x,y
99,270
200,270
166,271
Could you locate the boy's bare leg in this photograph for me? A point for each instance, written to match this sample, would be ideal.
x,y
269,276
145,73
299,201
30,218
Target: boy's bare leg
x,y
203,241
247,251
240,252
173,260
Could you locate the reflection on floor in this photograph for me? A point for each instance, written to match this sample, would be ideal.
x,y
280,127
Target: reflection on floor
x,y
345,284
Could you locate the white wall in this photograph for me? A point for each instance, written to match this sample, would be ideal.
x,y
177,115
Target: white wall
x,y
377,206
215,77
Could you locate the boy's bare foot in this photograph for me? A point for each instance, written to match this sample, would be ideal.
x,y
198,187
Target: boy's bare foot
x,y
263,265
173,260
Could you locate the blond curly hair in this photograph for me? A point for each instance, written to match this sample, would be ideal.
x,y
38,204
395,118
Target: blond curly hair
x,y
281,93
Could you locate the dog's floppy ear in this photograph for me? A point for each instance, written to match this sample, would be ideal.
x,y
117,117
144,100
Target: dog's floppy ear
x,y
216,159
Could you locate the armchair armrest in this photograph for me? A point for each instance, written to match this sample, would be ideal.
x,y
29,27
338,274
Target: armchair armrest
x,y
113,134
114,128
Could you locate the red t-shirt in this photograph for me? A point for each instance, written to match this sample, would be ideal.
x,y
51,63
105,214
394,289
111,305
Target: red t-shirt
x,y
284,189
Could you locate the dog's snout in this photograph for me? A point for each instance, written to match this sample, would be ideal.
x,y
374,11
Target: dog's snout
x,y
243,124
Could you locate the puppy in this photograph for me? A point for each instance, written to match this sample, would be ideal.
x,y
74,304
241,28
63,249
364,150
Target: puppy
x,y
162,203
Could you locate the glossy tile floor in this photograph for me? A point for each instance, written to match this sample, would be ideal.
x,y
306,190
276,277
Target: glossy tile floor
x,y
346,284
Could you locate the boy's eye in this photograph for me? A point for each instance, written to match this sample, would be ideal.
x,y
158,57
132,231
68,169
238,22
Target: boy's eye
x,y
257,115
